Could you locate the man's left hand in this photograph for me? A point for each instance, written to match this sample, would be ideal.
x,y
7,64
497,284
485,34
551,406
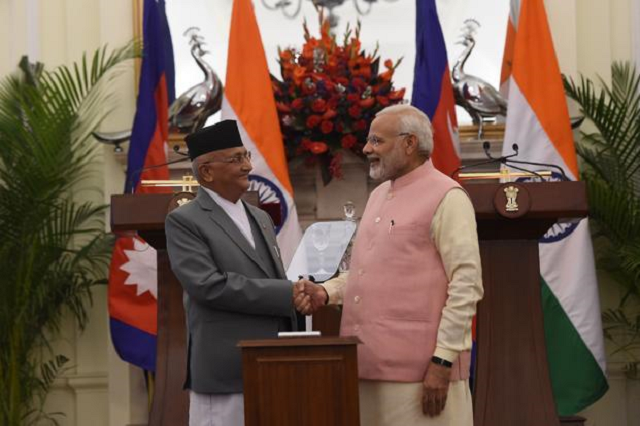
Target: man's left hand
x,y
435,389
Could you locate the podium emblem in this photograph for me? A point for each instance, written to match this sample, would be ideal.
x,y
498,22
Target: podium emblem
x,y
511,192
512,200
180,199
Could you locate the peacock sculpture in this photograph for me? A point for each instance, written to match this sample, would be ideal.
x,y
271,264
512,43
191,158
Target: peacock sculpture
x,y
479,98
189,111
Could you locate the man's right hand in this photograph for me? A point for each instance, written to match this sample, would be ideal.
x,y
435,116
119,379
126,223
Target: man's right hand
x,y
310,297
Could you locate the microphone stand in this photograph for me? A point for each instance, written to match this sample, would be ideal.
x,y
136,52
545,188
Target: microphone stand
x,y
508,161
136,174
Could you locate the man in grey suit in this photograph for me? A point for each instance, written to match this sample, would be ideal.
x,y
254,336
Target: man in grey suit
x,y
224,253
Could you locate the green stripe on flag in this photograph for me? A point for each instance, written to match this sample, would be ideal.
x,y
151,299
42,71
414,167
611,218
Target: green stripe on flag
x,y
576,378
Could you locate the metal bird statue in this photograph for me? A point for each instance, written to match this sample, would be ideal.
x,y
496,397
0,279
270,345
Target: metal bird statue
x,y
478,97
189,111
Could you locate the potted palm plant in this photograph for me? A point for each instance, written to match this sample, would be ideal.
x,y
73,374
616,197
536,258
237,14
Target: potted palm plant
x,y
611,160
53,247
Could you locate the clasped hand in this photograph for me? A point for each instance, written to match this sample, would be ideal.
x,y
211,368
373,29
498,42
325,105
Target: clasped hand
x,y
308,296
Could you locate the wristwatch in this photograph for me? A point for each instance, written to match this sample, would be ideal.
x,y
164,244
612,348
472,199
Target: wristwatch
x,y
440,361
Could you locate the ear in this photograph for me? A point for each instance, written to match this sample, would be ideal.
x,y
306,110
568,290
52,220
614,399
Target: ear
x,y
411,144
205,173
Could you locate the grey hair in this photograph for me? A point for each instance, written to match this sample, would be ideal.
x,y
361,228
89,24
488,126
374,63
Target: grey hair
x,y
413,121
194,169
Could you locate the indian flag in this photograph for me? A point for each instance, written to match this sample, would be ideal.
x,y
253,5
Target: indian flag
x,y
538,121
249,100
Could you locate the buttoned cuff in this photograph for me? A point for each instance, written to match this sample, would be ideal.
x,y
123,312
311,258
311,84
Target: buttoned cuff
x,y
335,288
446,354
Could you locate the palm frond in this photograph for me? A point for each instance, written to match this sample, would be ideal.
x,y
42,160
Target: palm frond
x,y
54,248
611,160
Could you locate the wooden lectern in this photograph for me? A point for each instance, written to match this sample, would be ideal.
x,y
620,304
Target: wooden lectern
x,y
512,379
311,381
145,213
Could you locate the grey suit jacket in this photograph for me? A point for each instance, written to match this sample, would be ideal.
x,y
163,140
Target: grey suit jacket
x,y
229,295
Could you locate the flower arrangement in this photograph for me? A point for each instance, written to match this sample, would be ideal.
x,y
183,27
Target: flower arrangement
x,y
328,96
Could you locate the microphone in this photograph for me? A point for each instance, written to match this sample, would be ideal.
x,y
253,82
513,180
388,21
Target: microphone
x,y
486,147
508,161
533,163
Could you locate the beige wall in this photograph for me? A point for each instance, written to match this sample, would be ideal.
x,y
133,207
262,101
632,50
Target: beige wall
x,y
102,390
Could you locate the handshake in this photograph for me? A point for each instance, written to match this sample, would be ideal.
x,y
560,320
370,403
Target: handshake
x,y
308,296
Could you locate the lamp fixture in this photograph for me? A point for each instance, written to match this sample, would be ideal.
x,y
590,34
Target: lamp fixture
x,y
291,8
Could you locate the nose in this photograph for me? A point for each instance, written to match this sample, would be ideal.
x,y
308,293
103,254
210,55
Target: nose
x,y
367,148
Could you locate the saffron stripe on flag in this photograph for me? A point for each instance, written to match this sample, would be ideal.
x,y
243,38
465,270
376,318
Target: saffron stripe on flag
x,y
249,99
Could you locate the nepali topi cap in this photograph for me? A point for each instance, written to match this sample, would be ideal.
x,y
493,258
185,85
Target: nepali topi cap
x,y
222,135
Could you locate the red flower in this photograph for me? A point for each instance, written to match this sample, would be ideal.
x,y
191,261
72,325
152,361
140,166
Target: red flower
x,y
388,63
333,102
353,97
360,125
297,104
318,147
319,105
313,121
354,111
382,100
348,141
339,127
326,127
359,83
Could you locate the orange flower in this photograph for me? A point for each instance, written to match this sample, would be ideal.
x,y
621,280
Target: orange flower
x,y
388,63
318,147
299,74
329,114
382,100
286,55
282,107
367,103
397,94
386,76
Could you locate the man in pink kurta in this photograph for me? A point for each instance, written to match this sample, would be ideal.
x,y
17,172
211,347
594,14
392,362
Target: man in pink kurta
x,y
413,284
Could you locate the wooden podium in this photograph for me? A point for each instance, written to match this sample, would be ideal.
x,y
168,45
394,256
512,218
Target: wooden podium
x,y
512,379
310,381
145,213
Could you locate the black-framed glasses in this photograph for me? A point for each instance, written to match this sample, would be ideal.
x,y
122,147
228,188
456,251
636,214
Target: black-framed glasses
x,y
236,159
375,141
